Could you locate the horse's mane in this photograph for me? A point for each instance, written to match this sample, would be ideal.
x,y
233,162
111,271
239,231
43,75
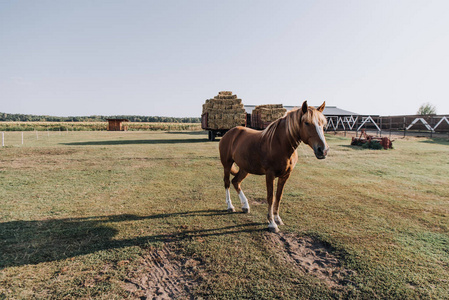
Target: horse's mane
x,y
292,124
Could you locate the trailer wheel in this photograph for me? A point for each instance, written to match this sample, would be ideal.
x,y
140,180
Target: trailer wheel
x,y
211,135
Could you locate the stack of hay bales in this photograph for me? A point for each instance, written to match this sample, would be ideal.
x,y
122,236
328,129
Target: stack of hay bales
x,y
263,115
224,111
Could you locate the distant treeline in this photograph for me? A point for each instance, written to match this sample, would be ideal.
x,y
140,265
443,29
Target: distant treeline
x,y
36,118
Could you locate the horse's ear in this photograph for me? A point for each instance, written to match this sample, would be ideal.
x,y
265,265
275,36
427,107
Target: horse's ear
x,y
321,108
304,107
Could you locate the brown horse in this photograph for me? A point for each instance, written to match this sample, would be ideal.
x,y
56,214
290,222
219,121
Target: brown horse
x,y
271,152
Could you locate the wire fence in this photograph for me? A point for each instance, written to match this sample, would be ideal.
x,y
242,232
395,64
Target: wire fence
x,y
403,125
19,138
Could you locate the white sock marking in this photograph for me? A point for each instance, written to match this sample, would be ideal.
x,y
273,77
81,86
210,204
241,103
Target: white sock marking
x,y
228,199
273,225
243,200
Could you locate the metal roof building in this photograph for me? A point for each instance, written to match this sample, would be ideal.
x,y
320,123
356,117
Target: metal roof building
x,y
328,110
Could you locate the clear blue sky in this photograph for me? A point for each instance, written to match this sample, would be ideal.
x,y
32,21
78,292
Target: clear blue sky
x,y
67,58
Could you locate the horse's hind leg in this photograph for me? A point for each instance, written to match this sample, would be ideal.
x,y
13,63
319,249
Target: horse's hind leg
x,y
279,192
272,226
227,184
236,181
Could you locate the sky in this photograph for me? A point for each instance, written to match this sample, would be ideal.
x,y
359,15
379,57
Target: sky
x,y
165,58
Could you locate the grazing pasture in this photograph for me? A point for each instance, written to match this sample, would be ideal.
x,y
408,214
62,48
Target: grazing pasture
x,y
140,214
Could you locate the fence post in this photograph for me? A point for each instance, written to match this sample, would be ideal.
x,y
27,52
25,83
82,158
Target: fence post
x,y
390,126
37,135
3,139
381,126
22,137
431,124
405,127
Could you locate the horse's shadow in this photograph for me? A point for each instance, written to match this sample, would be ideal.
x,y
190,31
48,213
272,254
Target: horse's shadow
x,y
33,242
136,142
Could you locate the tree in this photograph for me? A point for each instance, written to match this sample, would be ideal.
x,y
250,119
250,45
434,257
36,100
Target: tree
x,y
427,109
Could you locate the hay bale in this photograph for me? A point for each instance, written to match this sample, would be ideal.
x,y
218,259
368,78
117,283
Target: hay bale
x,y
263,115
269,106
224,111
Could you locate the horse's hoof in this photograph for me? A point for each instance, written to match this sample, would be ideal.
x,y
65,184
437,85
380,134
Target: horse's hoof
x,y
231,210
273,229
279,221
245,210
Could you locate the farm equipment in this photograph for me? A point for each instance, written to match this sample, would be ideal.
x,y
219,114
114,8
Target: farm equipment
x,y
369,141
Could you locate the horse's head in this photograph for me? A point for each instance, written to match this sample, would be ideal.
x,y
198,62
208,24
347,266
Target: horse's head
x,y
311,129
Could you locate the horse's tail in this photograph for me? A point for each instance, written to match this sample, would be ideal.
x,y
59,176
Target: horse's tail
x,y
234,170
225,148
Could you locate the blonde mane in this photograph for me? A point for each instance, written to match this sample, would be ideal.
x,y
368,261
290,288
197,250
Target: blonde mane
x,y
293,121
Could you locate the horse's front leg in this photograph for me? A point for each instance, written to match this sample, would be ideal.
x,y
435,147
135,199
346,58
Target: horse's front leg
x,y
279,192
272,226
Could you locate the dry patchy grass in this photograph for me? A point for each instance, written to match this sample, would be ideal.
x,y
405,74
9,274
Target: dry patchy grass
x,y
88,214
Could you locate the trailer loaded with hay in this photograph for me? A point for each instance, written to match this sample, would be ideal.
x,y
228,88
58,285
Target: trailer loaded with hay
x,y
264,115
222,113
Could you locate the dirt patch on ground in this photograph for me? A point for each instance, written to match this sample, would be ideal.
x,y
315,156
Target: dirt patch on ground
x,y
160,275
312,257
258,201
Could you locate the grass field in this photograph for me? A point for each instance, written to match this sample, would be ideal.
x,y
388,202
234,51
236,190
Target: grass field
x,y
113,215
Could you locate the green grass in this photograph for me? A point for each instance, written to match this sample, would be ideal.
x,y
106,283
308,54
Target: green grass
x,y
78,210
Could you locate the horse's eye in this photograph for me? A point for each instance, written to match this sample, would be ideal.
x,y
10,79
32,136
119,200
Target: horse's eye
x,y
307,123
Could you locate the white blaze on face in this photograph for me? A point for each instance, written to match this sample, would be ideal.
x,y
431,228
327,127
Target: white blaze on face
x,y
319,130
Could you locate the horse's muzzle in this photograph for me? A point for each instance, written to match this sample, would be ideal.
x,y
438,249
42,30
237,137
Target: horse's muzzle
x,y
321,152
